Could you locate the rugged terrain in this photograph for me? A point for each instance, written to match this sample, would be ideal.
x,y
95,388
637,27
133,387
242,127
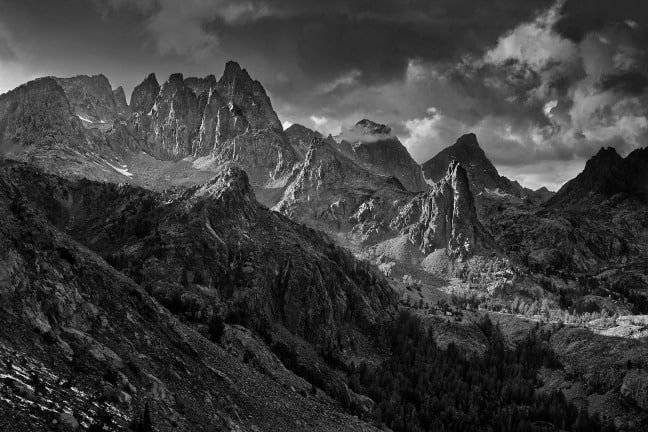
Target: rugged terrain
x,y
105,344
183,258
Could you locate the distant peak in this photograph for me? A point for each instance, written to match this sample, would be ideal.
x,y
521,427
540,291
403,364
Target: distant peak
x,y
370,127
176,78
607,151
467,140
232,67
151,78
233,72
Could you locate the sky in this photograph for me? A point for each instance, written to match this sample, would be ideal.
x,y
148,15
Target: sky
x,y
544,84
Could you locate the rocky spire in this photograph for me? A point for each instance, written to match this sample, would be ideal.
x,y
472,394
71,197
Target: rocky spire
x,y
248,95
144,94
449,218
121,105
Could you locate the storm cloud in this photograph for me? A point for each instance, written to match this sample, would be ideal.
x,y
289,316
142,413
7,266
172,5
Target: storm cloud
x,y
543,83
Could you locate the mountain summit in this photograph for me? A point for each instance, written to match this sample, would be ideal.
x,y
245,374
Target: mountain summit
x,y
482,173
374,147
607,174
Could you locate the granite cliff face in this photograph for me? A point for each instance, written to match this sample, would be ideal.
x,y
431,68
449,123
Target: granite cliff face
x,y
38,115
92,99
448,218
374,147
144,94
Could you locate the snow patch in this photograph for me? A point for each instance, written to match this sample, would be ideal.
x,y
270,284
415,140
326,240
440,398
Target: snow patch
x,y
87,120
497,192
122,171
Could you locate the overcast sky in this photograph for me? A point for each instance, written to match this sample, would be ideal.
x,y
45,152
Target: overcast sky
x,y
543,84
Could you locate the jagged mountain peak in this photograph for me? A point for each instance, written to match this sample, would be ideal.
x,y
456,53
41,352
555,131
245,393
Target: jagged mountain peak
x,y
369,127
144,94
374,147
468,140
235,75
606,174
467,151
299,128
151,78
483,175
176,78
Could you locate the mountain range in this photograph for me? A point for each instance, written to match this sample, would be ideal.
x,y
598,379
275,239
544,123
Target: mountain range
x,y
185,258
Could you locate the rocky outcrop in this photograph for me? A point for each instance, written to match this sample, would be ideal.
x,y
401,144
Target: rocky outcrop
x,y
143,96
91,98
332,192
36,115
374,147
448,219
121,105
249,96
301,137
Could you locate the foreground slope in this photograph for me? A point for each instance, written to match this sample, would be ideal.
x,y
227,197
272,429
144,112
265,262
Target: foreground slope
x,y
100,332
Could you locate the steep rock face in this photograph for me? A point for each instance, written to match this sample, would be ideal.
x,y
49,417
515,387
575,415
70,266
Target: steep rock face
x,y
91,97
333,193
605,175
174,120
144,94
301,137
38,114
374,147
448,218
249,96
120,102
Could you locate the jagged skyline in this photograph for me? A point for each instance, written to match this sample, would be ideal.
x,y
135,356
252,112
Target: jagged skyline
x,y
543,84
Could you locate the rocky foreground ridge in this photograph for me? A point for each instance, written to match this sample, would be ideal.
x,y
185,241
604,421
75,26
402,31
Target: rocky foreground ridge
x,y
204,252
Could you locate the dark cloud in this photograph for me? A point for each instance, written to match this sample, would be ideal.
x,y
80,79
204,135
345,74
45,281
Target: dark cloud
x,y
540,81
376,38
633,83
580,18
